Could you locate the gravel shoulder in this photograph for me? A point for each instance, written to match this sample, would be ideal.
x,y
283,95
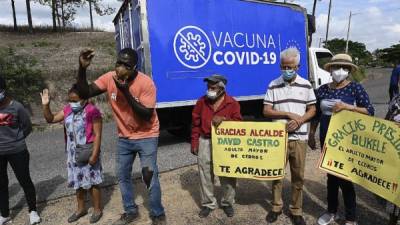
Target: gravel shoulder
x,y
181,199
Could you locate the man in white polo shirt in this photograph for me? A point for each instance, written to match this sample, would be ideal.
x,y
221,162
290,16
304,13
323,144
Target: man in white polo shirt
x,y
291,99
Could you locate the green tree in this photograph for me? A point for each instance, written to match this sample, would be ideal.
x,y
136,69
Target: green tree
x,y
356,49
100,9
389,55
65,10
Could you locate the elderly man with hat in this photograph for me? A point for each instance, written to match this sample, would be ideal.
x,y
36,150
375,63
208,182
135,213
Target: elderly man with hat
x,y
340,94
213,108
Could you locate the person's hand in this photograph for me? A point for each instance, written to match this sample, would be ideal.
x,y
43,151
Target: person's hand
x,y
85,57
93,159
294,116
339,106
123,85
292,125
194,151
217,120
45,97
311,141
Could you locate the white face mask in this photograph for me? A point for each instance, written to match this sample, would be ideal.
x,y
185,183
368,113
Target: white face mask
x,y
339,75
211,94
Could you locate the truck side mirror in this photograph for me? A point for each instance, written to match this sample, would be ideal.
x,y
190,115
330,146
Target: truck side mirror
x,y
311,24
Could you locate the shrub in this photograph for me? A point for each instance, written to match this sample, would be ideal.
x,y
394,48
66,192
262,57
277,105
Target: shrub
x,y
359,75
24,80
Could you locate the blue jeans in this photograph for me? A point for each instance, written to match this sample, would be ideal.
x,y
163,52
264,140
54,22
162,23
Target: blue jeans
x,y
126,154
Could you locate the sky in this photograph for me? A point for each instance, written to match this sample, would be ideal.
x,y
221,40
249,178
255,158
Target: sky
x,y
376,23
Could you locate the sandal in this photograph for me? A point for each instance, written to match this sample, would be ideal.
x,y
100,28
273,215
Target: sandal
x,y
95,217
75,217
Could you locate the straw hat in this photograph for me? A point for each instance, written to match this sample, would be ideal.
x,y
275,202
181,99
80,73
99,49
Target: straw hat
x,y
341,60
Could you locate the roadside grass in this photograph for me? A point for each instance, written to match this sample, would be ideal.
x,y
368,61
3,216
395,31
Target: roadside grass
x,y
54,56
42,44
107,45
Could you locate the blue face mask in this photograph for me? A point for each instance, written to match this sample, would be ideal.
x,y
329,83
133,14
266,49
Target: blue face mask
x,y
76,106
2,95
288,74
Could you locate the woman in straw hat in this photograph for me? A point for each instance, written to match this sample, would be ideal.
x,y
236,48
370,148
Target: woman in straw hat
x,y
340,94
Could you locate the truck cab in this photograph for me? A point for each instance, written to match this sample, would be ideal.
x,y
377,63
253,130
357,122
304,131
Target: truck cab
x,y
317,59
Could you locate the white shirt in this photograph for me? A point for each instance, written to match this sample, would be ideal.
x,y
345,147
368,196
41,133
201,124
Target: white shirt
x,y
294,98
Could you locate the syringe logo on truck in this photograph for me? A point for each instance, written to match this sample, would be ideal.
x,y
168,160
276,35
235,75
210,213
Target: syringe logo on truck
x,y
192,47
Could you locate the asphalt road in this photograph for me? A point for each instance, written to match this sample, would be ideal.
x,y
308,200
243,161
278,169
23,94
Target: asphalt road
x,y
48,162
48,165
377,86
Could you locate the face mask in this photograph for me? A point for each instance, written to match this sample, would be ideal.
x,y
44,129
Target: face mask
x,y
76,106
339,75
288,74
212,95
2,95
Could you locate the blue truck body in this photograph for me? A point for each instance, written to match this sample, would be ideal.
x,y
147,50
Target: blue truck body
x,y
182,41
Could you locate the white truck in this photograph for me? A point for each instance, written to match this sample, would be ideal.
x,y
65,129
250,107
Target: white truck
x,y
317,75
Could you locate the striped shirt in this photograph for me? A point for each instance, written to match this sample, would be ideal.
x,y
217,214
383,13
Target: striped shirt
x,y
294,98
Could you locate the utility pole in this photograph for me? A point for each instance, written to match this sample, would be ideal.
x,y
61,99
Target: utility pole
x,y
348,33
329,18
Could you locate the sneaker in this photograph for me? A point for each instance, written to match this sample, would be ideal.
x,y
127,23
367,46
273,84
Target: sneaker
x,y
34,218
126,218
158,220
228,211
4,220
327,218
272,216
298,220
204,212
